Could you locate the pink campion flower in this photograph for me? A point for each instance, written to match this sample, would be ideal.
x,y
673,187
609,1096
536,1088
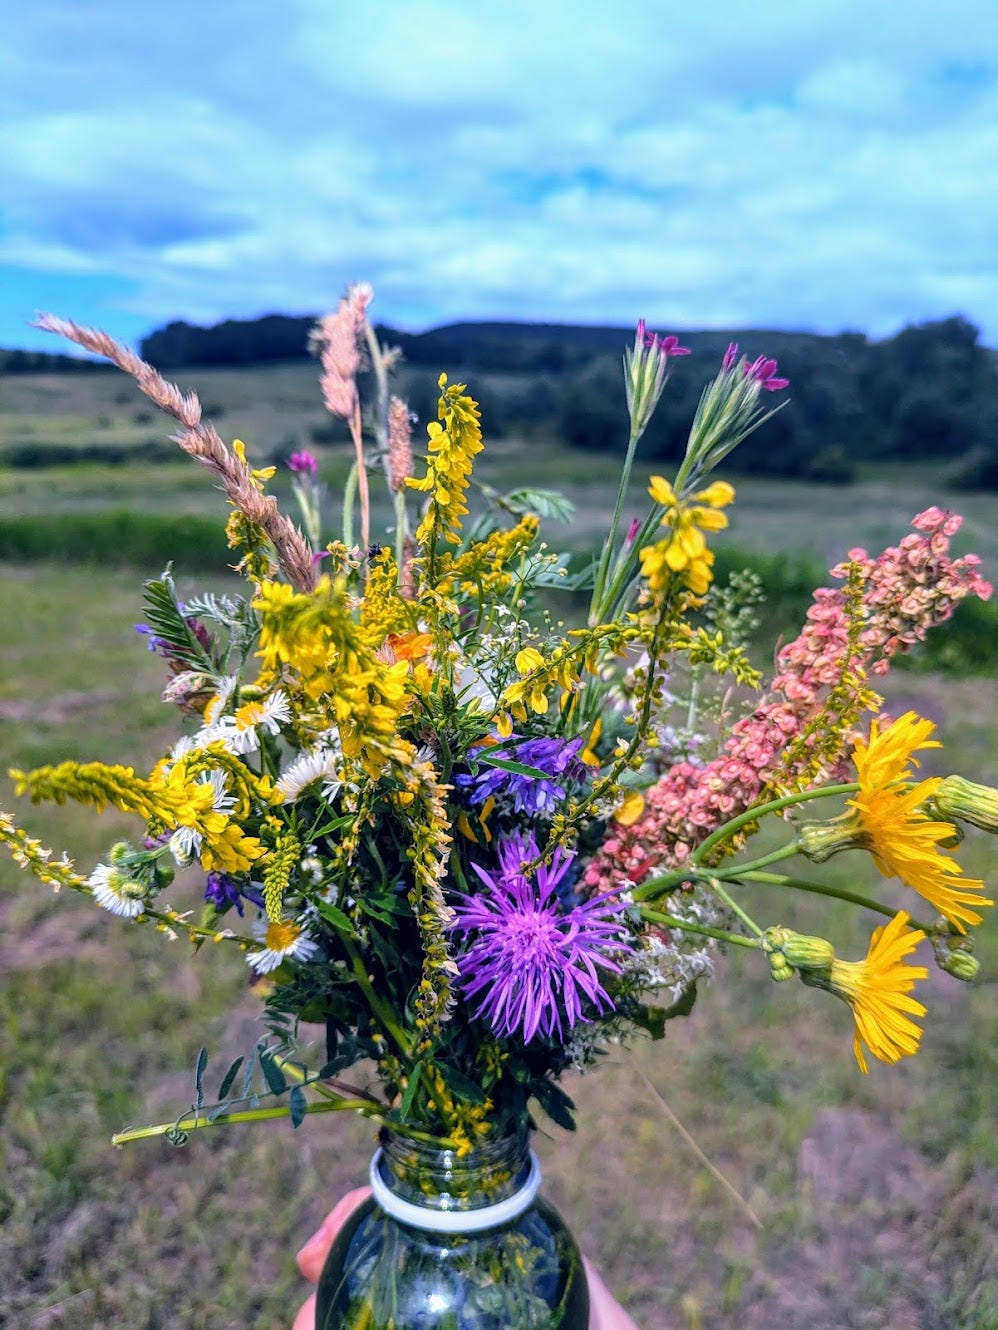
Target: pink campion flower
x,y
763,371
665,346
303,463
730,357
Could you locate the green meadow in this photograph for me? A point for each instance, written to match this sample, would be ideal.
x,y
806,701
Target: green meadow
x,y
740,1173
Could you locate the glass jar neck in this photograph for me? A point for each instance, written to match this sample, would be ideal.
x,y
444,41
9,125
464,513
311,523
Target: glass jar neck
x,y
444,1180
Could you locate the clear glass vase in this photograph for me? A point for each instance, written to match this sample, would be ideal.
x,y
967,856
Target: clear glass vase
x,y
453,1242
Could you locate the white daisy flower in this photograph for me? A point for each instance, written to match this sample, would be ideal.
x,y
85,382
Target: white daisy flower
x,y
116,891
281,941
320,762
240,732
226,687
185,845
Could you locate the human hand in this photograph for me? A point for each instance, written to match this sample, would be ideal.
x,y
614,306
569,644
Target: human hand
x,y
604,1312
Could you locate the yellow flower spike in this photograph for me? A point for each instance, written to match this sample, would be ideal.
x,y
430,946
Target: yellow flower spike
x,y
877,989
528,659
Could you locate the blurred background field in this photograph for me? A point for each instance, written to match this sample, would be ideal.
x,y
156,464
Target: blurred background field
x,y
875,1194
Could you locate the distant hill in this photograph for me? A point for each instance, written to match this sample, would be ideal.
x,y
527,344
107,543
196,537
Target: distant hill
x,y
929,392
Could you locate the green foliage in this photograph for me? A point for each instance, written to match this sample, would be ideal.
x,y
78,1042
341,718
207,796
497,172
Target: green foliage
x,y
115,539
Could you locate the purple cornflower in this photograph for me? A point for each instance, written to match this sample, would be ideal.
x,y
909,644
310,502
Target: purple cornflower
x,y
556,759
303,463
223,891
532,966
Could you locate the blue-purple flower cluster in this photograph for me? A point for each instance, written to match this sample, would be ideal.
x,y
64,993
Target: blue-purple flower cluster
x,y
556,766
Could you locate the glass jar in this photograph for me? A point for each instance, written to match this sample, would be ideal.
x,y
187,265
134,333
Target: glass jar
x,y
453,1242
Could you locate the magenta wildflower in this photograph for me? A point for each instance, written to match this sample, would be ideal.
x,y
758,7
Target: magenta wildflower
x,y
303,463
763,371
532,967
730,357
665,346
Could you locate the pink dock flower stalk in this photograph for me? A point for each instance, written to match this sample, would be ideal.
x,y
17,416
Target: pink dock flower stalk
x,y
399,444
906,590
340,337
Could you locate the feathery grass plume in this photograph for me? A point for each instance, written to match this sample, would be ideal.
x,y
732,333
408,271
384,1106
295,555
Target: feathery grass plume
x,y
202,442
338,338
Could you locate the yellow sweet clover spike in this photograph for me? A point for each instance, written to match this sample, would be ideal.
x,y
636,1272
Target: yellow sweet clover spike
x,y
483,569
452,446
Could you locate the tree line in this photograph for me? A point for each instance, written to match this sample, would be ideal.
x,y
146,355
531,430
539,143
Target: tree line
x,y
927,394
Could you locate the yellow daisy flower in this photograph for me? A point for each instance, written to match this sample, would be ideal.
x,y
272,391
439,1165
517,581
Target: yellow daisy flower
x,y
877,989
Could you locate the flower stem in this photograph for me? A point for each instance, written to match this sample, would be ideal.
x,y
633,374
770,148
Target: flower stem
x,y
837,893
757,811
702,930
596,605
197,1121
736,910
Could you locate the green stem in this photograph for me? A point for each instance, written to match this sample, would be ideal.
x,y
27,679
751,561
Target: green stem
x,y
837,893
596,604
758,811
349,494
735,872
197,1121
736,910
381,1009
670,921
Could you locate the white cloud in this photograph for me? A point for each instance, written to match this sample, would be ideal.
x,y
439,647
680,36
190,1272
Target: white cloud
x,y
826,164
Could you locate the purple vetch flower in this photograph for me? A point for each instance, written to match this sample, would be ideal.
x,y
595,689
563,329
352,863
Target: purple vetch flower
x,y
223,891
531,966
303,463
154,642
557,760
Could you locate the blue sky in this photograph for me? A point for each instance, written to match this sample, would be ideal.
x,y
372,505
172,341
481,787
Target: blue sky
x,y
813,164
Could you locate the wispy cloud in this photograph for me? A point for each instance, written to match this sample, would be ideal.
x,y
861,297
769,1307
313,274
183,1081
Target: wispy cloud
x,y
823,165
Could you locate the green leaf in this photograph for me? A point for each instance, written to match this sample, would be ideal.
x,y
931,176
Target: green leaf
x,y
412,1085
506,764
545,503
272,1074
335,916
683,1004
199,1077
168,622
465,1089
229,1078
298,1105
555,1103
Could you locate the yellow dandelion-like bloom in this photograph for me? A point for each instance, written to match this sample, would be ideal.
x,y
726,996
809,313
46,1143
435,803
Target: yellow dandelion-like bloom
x,y
893,826
889,754
877,989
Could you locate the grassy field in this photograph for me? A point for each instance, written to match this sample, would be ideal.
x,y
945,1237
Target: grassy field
x,y
875,1194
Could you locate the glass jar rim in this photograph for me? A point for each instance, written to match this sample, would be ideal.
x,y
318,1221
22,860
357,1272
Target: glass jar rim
x,y
455,1221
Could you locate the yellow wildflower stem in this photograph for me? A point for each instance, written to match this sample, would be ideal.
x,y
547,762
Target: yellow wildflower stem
x,y
381,1009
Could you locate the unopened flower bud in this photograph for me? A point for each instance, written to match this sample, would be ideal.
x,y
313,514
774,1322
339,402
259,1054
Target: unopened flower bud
x,y
954,956
818,841
780,968
798,950
967,801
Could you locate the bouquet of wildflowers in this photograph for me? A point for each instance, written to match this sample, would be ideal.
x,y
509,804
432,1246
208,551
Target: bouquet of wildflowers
x,y
471,845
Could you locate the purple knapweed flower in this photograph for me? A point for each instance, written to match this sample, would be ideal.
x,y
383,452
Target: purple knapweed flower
x,y
532,965
556,759
303,463
223,891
